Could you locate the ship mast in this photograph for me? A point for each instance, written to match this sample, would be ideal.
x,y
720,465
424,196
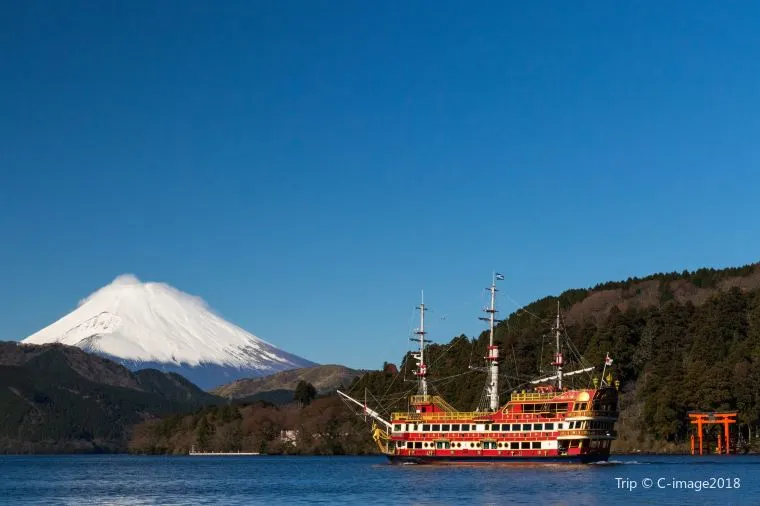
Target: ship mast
x,y
493,351
558,354
421,371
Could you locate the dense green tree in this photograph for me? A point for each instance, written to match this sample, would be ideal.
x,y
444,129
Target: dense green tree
x,y
203,433
304,393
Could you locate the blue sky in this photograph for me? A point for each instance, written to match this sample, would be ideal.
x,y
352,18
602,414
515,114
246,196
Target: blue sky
x,y
308,167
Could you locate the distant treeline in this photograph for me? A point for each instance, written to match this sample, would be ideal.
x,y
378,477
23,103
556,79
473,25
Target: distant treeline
x,y
323,427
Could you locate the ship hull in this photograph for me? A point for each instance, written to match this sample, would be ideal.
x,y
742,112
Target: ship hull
x,y
447,460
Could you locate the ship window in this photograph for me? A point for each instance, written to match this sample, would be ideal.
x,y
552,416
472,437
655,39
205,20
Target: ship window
x,y
505,427
514,445
409,444
397,427
515,426
445,427
487,426
436,428
418,444
526,426
548,426
455,427
501,445
525,445
537,426
536,445
425,427
465,427
496,427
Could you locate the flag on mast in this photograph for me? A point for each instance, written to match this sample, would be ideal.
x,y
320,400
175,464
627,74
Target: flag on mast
x,y
608,360
499,277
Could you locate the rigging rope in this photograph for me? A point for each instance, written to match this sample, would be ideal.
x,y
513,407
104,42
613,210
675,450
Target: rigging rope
x,y
521,307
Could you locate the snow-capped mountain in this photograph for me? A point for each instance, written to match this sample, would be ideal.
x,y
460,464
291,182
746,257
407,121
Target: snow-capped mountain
x,y
155,325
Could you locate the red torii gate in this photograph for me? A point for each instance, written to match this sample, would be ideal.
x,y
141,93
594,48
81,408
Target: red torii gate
x,y
700,418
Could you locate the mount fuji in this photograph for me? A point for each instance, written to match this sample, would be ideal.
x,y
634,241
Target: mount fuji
x,y
153,325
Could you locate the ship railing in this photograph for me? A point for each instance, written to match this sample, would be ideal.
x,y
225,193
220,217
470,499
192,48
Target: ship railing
x,y
472,436
589,432
430,417
533,396
592,413
432,399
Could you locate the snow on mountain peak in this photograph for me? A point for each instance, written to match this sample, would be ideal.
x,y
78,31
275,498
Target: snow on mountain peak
x,y
153,322
126,279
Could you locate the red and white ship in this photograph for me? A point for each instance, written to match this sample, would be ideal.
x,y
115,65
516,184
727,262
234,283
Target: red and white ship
x,y
548,422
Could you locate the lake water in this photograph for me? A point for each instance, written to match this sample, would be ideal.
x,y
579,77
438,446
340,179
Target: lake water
x,y
133,480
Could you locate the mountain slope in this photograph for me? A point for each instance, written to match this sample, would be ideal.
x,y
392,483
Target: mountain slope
x,y
696,287
173,387
56,398
325,378
154,325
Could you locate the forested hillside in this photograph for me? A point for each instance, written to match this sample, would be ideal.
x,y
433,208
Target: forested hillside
x,y
323,427
680,341
57,398
325,378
